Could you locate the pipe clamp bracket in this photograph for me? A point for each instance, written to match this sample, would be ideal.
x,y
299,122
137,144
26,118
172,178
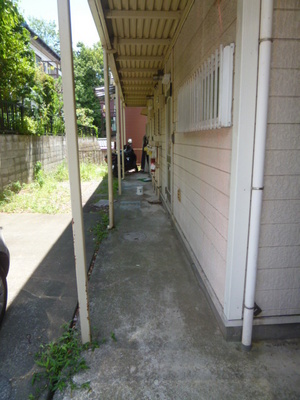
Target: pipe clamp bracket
x,y
258,188
266,40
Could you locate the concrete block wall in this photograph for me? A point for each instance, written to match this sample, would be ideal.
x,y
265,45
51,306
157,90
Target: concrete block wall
x,y
278,280
89,150
19,154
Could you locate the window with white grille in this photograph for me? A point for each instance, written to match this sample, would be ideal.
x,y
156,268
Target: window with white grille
x,y
205,99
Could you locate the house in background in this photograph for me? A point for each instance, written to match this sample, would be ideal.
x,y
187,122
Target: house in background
x,y
100,94
227,144
135,129
135,121
45,57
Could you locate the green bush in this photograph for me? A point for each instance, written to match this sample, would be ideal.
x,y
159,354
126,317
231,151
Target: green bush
x,y
39,174
9,191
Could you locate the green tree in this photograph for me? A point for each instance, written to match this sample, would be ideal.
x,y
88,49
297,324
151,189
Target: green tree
x,y
47,104
16,56
88,74
47,31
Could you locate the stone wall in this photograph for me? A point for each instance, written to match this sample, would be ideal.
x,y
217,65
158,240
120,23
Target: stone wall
x,y
19,154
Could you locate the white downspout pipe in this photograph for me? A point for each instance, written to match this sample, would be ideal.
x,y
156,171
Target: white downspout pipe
x,y
108,138
73,164
118,138
258,167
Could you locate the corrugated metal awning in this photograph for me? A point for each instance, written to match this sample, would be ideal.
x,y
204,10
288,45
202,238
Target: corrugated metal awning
x,y
138,35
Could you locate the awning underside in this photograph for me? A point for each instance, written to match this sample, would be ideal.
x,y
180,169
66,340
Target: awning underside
x,y
139,35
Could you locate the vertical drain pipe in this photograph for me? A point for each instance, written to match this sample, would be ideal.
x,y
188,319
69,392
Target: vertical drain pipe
x,y
264,67
118,137
108,138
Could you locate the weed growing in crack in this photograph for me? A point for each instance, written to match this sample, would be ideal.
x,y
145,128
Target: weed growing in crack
x,y
113,336
99,230
59,361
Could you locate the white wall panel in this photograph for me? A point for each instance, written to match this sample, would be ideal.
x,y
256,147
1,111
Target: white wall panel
x,y
202,174
284,137
214,178
280,235
281,212
282,187
279,257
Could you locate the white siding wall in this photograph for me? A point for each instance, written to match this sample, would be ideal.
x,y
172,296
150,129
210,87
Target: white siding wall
x,y
202,160
278,284
163,162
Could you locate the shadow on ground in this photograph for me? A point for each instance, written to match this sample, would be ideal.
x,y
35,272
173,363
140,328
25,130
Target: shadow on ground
x,y
49,297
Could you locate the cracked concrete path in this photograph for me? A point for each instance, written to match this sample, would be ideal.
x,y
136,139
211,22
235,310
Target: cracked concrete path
x,y
169,346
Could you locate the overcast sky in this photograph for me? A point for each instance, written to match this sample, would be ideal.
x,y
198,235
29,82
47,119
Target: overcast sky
x,y
83,27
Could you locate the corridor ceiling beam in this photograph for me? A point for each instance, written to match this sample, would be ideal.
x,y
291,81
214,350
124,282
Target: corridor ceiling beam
x,y
141,14
139,70
139,58
144,41
137,79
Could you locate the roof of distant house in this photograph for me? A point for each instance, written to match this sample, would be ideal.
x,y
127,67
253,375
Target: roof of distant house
x,y
100,91
36,37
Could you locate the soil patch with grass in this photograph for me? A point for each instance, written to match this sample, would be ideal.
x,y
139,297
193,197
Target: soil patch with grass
x,y
49,193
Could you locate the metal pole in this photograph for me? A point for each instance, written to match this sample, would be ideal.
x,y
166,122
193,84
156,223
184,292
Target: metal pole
x,y
73,164
108,137
124,139
118,138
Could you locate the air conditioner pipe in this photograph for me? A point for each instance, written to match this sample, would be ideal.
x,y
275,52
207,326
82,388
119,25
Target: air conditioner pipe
x,y
264,67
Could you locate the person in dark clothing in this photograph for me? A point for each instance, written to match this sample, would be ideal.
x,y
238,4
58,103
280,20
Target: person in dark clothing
x,y
144,154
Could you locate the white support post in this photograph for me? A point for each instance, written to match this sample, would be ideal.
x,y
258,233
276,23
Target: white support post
x,y
245,84
118,138
73,164
108,138
124,133
122,139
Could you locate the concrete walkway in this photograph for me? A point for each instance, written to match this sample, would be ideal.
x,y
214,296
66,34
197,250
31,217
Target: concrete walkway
x,y
168,346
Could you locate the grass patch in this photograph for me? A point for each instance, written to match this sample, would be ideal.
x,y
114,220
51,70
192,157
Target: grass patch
x,y
103,189
99,230
49,193
89,171
59,361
